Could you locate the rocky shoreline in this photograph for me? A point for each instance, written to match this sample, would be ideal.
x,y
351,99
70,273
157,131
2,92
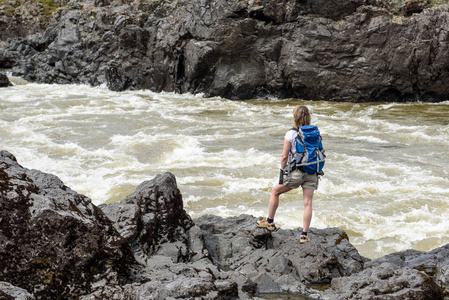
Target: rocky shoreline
x,y
57,244
357,51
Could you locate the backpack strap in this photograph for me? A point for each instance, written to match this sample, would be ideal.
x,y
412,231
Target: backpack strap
x,y
298,139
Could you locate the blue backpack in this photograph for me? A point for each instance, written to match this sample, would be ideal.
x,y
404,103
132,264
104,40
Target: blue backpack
x,y
310,155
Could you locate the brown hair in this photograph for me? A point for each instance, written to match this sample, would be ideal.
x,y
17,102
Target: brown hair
x,y
301,116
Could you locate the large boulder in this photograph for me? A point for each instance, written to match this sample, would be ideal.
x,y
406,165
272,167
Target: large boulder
x,y
434,263
55,242
153,219
167,246
386,281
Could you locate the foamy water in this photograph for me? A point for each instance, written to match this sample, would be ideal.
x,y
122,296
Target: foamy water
x,y
386,179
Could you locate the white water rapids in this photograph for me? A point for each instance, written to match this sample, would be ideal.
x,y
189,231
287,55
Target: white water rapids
x,y
386,181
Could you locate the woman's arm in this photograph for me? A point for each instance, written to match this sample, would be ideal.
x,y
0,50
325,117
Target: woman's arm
x,y
285,152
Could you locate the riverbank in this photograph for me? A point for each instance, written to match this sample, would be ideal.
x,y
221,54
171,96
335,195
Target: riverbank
x,y
57,243
354,51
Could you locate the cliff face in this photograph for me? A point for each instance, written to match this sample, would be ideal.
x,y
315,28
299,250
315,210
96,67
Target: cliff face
x,y
56,244
341,50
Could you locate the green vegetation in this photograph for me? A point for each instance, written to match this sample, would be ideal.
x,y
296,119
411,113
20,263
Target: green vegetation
x,y
49,6
48,3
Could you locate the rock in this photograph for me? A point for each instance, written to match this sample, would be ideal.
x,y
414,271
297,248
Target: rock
x,y
10,292
343,51
434,263
55,242
162,279
22,18
386,281
4,81
275,262
153,219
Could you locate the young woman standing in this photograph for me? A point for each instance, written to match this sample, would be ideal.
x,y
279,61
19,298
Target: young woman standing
x,y
293,179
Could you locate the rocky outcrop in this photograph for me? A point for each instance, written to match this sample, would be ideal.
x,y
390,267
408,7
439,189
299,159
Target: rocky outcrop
x,y
434,263
4,81
386,281
20,18
355,50
153,220
56,243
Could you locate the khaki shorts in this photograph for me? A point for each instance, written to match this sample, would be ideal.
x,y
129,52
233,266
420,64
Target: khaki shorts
x,y
298,178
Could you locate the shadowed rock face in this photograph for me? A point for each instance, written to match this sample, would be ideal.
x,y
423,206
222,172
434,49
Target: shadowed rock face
x,y
4,81
57,244
339,50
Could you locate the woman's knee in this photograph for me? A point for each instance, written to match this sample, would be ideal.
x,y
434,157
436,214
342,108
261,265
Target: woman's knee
x,y
278,190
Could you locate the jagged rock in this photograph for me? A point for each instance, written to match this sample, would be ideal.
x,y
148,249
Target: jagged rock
x,y
386,281
434,263
4,81
275,262
357,50
55,242
173,261
153,219
22,18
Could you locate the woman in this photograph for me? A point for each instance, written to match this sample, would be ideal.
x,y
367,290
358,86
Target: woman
x,y
293,179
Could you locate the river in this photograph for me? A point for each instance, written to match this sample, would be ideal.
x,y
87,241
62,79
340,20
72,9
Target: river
x,y
386,178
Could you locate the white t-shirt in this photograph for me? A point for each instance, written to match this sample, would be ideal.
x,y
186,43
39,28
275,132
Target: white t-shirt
x,y
291,137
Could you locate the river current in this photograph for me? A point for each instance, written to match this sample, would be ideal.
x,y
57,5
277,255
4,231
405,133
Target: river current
x,y
386,176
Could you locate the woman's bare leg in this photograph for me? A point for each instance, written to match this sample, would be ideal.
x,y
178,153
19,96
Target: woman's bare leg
x,y
277,190
307,196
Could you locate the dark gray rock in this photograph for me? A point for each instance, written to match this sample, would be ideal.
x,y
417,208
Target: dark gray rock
x,y
4,81
153,219
355,50
434,263
275,262
21,18
55,242
386,281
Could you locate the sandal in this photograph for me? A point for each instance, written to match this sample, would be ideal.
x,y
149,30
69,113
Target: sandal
x,y
264,224
304,239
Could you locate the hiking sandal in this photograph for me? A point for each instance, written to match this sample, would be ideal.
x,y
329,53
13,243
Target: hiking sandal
x,y
264,224
304,239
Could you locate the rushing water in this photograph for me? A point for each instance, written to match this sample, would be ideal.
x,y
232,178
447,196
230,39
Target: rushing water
x,y
386,181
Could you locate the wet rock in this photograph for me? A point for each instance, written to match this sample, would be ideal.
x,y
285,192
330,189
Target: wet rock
x,y
4,81
55,242
386,281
